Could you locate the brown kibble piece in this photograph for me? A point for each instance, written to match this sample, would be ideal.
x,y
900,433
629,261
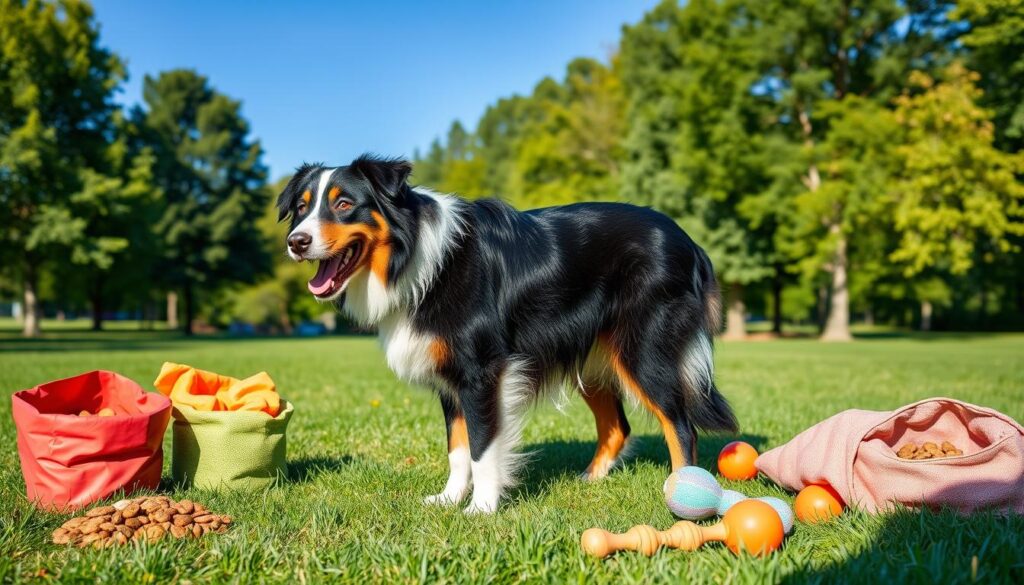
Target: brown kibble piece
x,y
131,510
108,526
105,412
186,506
132,523
225,519
100,511
117,518
954,453
90,527
125,531
198,508
162,515
61,536
197,530
202,518
143,520
150,505
154,533
947,446
179,531
120,538
182,519
74,522
84,413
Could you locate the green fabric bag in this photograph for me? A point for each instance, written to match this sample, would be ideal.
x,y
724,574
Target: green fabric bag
x,y
234,449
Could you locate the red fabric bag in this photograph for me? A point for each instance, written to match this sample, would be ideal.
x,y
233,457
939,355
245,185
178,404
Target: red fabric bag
x,y
70,461
855,452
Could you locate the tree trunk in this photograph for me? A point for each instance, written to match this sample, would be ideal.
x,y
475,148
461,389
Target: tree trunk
x,y
96,299
821,308
837,326
189,308
172,310
777,301
926,316
735,314
31,313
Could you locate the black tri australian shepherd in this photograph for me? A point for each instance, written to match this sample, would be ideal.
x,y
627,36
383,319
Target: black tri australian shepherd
x,y
488,306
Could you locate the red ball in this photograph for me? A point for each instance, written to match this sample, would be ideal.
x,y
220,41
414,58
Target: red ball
x,y
753,526
817,503
736,461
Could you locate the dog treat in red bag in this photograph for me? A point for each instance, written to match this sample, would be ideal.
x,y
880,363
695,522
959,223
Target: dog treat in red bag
x,y
71,460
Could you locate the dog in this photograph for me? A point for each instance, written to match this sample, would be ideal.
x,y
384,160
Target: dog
x,y
490,306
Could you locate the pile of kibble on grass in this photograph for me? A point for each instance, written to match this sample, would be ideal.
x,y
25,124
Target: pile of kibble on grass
x,y
147,518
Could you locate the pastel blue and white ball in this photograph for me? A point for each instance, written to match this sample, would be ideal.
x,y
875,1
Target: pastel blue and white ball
x,y
692,493
729,499
785,512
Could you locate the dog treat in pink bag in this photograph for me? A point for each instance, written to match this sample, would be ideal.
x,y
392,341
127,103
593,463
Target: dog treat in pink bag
x,y
855,452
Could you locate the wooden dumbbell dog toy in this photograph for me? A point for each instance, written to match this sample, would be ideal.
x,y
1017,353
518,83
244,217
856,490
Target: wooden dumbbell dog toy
x,y
751,525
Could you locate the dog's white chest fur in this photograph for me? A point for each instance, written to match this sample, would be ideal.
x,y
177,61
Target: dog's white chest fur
x,y
407,351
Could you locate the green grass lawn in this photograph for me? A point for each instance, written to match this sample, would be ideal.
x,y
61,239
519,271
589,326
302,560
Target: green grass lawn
x,y
365,448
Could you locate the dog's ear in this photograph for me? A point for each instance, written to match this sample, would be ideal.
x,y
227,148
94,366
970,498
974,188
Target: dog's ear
x,y
287,199
386,175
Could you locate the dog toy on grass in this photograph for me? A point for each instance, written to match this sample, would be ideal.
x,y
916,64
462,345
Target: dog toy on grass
x,y
817,503
736,461
692,493
750,525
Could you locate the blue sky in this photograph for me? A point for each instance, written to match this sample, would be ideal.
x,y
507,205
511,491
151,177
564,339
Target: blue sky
x,y
330,80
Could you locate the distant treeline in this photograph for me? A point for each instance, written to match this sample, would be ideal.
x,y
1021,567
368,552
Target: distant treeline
x,y
835,158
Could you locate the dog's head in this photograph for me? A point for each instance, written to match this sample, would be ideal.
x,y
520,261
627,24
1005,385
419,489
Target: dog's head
x,y
350,219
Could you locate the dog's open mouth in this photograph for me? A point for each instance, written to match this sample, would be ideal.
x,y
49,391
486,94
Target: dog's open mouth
x,y
333,273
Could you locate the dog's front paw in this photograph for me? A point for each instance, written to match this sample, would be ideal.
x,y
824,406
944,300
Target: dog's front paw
x,y
481,507
442,499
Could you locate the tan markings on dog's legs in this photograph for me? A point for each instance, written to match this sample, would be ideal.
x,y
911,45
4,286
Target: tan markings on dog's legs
x,y
459,466
611,434
629,383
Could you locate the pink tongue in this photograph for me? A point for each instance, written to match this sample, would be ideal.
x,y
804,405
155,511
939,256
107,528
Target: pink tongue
x,y
323,280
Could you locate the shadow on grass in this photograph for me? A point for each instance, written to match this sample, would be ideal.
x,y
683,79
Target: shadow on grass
x,y
557,460
306,469
941,546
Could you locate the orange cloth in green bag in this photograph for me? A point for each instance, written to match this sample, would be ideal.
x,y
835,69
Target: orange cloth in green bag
x,y
208,391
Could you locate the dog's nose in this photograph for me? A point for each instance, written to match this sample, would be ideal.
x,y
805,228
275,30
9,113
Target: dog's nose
x,y
299,242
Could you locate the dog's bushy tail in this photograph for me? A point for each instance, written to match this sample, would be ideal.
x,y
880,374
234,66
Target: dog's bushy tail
x,y
707,408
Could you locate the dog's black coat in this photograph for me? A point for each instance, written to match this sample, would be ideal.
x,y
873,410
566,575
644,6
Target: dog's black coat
x,y
544,288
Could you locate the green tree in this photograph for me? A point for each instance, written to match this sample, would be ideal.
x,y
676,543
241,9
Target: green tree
x,y
814,56
995,43
570,148
213,182
957,200
56,116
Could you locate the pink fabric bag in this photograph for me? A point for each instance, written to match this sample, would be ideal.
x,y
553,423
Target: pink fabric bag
x,y
855,452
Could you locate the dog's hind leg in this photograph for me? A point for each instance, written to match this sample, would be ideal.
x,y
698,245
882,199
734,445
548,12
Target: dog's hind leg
x,y
612,429
458,482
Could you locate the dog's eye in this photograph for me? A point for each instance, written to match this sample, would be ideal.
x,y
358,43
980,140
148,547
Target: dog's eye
x,y
343,205
301,208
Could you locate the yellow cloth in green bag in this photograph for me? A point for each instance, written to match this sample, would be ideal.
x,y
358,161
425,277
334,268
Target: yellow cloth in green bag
x,y
234,449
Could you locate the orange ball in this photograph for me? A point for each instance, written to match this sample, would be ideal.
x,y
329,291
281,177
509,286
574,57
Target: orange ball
x,y
753,526
817,503
736,461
